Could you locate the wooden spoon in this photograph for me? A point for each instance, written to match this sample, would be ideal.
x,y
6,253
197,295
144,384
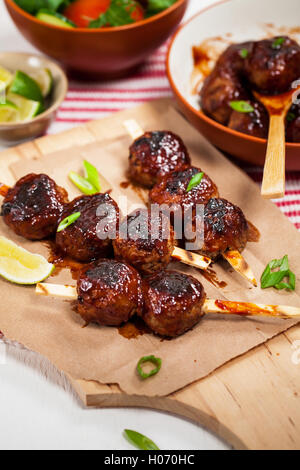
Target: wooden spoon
x,y
273,186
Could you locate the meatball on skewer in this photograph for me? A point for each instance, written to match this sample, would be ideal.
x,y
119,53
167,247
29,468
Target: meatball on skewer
x,y
33,207
156,154
173,190
226,233
109,293
90,236
146,241
173,303
170,303
232,236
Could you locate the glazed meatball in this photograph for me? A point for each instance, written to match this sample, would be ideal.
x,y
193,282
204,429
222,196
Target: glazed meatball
x,y
225,228
145,240
172,191
172,303
90,236
224,84
255,123
155,155
293,124
272,65
33,206
109,293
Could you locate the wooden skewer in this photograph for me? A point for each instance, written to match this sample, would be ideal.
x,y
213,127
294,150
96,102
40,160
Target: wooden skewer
x,y
192,259
133,128
226,307
273,185
223,307
240,265
235,258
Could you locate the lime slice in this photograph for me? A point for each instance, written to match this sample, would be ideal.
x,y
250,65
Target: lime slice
x,y
27,109
5,79
54,18
8,112
25,86
20,266
44,79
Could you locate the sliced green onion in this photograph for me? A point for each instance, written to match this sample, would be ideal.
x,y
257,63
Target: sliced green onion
x,y
275,279
241,106
92,175
244,53
139,440
196,179
82,184
156,361
290,117
277,43
68,221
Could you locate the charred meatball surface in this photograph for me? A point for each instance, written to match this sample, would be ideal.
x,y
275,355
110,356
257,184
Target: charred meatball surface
x,y
90,236
109,293
145,240
272,65
224,84
172,303
155,155
173,190
225,228
33,206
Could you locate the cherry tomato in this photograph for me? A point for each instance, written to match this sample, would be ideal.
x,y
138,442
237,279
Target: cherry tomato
x,y
82,12
138,12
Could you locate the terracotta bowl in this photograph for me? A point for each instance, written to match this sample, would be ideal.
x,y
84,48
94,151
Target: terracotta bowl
x,y
216,27
12,133
99,53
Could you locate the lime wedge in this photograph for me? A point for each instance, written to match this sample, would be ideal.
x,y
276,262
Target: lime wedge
x,y
25,86
19,266
44,79
8,112
27,109
5,79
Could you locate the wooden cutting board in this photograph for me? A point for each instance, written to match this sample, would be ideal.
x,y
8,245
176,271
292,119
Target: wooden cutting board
x,y
253,402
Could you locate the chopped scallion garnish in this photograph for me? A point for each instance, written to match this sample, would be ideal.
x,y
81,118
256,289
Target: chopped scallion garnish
x,y
271,278
241,106
139,440
277,43
195,181
91,183
156,361
244,53
68,221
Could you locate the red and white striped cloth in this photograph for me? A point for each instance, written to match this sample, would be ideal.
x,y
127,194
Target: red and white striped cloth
x,y
85,102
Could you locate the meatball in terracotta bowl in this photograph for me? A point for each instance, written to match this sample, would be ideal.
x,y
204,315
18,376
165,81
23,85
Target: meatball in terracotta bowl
x,y
253,46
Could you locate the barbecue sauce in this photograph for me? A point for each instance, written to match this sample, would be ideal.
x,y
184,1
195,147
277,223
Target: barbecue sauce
x,y
63,262
134,328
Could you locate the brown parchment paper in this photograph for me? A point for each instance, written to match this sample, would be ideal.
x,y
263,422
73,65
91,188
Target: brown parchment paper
x,y
51,327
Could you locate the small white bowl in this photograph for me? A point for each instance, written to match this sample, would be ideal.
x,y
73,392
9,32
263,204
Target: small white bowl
x,y
17,132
